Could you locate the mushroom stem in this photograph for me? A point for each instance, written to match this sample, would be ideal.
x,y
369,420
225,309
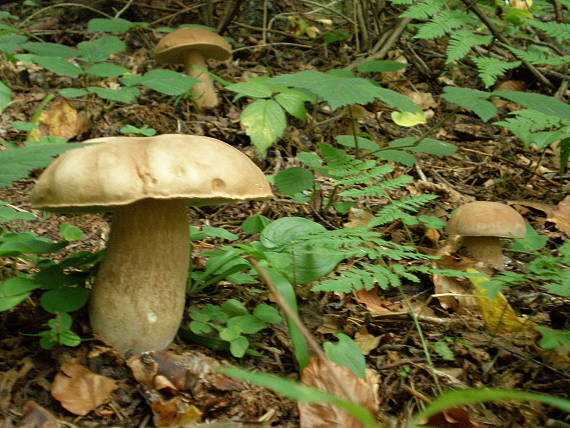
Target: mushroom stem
x,y
138,296
486,249
203,92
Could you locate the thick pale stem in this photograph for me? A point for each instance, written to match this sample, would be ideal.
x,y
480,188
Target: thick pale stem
x,y
203,92
138,297
486,249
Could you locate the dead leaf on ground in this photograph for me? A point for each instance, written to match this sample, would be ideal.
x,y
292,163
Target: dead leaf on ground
x,y
561,216
37,417
453,293
62,120
325,415
423,100
380,307
358,217
450,418
79,390
366,342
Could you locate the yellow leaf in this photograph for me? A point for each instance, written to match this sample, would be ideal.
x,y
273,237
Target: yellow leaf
x,y
407,119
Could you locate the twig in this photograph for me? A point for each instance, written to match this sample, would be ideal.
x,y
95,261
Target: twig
x,y
42,10
272,44
124,8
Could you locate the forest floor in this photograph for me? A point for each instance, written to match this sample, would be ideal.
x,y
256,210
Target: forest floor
x,y
488,165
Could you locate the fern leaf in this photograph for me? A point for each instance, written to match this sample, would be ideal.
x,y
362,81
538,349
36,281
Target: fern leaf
x,y
491,68
443,23
424,10
560,31
461,42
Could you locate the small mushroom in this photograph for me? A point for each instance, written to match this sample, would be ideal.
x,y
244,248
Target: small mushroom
x,y
137,300
482,224
191,47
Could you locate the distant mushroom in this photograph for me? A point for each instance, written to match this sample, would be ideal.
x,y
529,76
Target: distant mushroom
x,y
482,224
137,299
191,47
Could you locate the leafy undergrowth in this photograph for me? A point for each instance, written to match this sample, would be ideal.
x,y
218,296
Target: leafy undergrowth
x,y
368,159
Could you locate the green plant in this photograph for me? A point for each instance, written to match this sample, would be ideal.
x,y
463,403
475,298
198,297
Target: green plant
x,y
62,283
231,321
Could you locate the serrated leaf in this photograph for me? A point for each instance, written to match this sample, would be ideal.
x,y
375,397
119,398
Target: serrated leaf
x,y
100,49
11,42
57,65
264,122
293,102
73,92
399,156
396,100
427,145
363,143
50,49
294,180
109,25
167,82
251,89
122,95
471,99
16,163
543,103
381,66
106,70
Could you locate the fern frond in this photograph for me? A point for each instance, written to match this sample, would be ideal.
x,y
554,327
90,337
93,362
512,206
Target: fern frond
x,y
539,58
462,41
424,10
370,176
491,68
560,31
379,189
443,23
413,203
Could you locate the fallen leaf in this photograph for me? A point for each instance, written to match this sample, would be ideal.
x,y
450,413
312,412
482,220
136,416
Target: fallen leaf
x,y
325,415
79,390
174,412
379,307
358,217
423,100
37,417
62,120
450,418
561,216
366,342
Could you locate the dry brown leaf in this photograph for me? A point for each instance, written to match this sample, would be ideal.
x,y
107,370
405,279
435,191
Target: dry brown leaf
x,y
62,120
379,307
174,412
453,293
450,418
37,417
372,301
79,390
325,415
358,217
366,342
561,216
423,100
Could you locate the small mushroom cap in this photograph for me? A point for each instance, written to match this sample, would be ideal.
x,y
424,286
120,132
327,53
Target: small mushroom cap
x,y
116,171
172,47
482,218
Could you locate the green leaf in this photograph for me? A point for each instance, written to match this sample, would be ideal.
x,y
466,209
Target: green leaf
x,y
16,286
553,339
293,102
248,324
13,244
69,232
167,82
457,398
427,145
122,95
106,70
64,299
109,25
542,103
284,231
72,92
50,49
532,242
443,350
69,338
11,42
100,49
296,391
198,327
399,156
5,96
251,89
234,307
381,66
230,333
145,130
363,143
238,346
218,232
254,224
346,353
10,214
294,180
471,99
58,65
264,122
267,313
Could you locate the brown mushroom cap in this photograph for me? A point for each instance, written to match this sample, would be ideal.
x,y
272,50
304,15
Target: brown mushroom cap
x,y
482,218
116,171
172,47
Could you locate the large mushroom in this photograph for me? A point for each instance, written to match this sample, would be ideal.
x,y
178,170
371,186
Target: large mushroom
x,y
137,299
192,47
481,225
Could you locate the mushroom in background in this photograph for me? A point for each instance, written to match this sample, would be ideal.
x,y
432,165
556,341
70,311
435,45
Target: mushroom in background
x,y
481,225
137,301
192,47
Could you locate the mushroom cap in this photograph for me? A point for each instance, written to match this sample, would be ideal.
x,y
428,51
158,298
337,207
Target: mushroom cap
x,y
482,218
114,171
172,47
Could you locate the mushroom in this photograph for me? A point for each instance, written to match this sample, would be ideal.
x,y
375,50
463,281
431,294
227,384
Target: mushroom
x,y
137,300
191,47
482,224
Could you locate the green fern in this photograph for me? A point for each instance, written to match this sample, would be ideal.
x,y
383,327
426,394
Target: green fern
x,y
424,10
462,41
444,23
527,122
559,31
538,57
491,68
